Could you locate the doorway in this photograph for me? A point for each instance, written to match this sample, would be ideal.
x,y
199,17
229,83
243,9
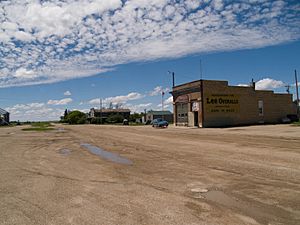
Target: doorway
x,y
196,121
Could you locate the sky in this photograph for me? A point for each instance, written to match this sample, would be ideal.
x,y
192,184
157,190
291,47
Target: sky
x,y
68,54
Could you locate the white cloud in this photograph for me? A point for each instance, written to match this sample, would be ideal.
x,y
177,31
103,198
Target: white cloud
x,y
268,83
34,112
138,107
295,84
243,85
169,101
64,101
51,41
118,99
124,98
95,101
25,74
158,91
67,93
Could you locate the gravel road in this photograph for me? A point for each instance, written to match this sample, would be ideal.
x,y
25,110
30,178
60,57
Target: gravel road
x,y
230,176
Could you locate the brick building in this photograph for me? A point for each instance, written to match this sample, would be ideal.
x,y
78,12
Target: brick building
x,y
209,103
105,113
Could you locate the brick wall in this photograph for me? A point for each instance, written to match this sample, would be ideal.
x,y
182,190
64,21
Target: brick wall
x,y
275,106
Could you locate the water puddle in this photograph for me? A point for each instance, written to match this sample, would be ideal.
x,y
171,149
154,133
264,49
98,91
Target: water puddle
x,y
64,151
60,129
107,155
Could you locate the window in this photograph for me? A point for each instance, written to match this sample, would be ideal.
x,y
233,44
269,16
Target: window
x,y
260,108
182,110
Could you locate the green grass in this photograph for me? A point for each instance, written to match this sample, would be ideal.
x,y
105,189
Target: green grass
x,y
296,123
37,129
39,126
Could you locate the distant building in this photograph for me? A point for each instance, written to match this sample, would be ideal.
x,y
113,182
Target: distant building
x,y
4,117
166,115
213,103
105,113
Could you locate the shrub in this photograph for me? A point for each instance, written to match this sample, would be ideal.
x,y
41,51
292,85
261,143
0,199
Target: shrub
x,y
76,117
115,118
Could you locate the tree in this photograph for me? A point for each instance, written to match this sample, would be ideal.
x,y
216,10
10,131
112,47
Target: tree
x,y
76,117
96,120
66,113
134,117
117,118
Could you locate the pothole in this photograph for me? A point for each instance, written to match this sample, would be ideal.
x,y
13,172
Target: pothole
x,y
113,157
64,151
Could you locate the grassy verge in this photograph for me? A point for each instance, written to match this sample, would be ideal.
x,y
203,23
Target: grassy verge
x,y
39,126
296,123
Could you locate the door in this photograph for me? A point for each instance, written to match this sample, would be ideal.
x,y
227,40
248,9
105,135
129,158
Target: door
x,y
196,120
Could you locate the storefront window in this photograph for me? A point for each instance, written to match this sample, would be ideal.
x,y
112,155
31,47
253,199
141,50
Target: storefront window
x,y
182,112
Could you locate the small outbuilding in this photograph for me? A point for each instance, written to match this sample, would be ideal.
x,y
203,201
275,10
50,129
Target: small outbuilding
x,y
165,115
212,103
4,117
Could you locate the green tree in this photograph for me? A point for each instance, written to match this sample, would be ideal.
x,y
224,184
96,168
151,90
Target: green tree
x,y
117,118
134,117
96,120
76,117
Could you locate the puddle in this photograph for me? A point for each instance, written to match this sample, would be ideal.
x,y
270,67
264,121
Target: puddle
x,y
60,129
107,155
64,151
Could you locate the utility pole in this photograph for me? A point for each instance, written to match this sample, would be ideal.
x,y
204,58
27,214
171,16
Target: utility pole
x,y
173,78
297,92
288,88
201,75
100,110
162,103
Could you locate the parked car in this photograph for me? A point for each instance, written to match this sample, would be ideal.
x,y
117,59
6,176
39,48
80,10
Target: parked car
x,y
159,122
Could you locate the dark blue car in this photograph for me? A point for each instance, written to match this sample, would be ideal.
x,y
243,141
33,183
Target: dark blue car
x,y
159,122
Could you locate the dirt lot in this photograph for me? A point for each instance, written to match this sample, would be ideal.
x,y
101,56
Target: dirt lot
x,y
244,175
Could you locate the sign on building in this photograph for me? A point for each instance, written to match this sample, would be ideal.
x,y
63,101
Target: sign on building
x,y
195,106
222,103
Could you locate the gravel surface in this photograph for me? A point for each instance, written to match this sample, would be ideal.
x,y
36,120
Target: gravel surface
x,y
242,175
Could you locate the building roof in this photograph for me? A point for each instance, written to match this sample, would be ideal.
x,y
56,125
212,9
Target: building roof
x,y
165,112
2,111
112,110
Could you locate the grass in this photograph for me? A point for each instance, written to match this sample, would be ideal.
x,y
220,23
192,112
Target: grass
x,y
296,123
39,126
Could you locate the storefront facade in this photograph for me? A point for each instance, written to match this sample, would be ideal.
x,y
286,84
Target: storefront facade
x,y
209,103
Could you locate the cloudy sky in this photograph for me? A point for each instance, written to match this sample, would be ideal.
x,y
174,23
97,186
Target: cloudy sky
x,y
67,54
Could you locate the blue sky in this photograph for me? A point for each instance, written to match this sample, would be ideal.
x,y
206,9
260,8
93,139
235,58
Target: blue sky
x,y
54,56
